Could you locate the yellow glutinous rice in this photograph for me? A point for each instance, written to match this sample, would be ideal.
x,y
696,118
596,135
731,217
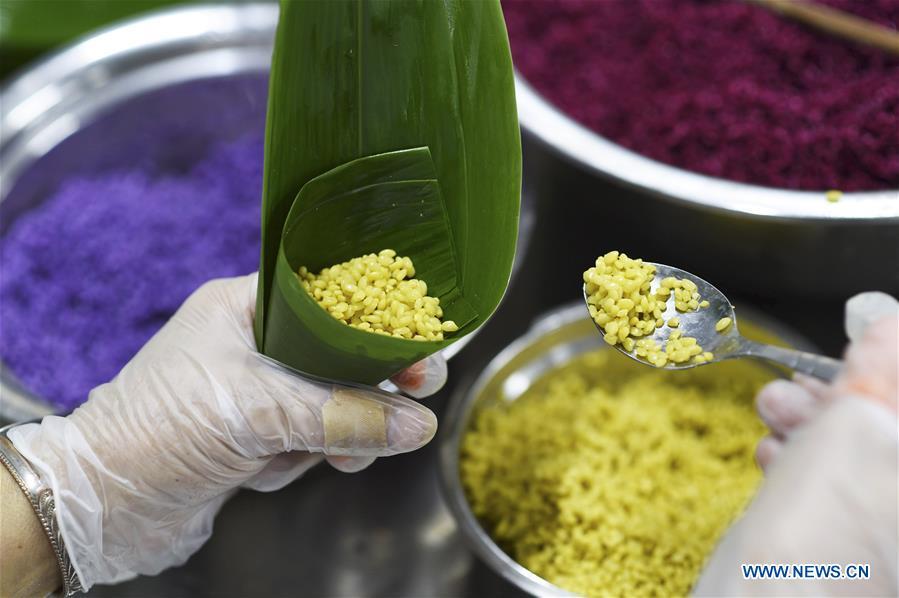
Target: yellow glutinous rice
x,y
610,479
377,293
681,349
621,301
722,324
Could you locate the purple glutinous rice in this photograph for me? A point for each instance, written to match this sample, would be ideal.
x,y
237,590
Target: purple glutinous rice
x,y
95,270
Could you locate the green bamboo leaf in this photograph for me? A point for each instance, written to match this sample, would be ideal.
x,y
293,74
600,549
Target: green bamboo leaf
x,y
353,79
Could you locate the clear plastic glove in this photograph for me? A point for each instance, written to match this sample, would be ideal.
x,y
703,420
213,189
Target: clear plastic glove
x,y
830,496
870,371
141,469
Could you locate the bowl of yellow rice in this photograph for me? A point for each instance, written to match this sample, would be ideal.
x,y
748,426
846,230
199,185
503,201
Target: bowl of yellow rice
x,y
572,469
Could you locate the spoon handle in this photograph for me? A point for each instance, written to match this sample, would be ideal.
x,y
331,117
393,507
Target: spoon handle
x,y
819,366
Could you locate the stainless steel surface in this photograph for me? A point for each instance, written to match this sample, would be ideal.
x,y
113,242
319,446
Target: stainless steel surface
x,y
724,229
819,366
553,340
63,93
726,344
88,107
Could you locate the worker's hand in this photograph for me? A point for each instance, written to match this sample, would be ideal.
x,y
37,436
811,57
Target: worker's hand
x,y
140,470
830,494
869,372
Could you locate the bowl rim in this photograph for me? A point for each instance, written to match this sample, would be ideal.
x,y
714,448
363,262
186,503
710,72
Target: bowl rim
x,y
175,40
456,419
600,156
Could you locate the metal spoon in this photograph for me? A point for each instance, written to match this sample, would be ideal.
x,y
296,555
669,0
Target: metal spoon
x,y
727,344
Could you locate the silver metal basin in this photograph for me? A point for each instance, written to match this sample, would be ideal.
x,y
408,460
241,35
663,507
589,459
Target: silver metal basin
x,y
134,93
759,240
553,340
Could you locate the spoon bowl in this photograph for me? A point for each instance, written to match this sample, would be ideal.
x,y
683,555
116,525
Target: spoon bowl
x,y
725,344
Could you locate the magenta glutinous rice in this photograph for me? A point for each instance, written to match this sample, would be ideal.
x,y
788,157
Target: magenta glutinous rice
x,y
720,87
97,268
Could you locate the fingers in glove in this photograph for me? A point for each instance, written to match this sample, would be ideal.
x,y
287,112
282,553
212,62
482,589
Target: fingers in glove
x,y
372,423
282,470
349,464
817,388
286,412
871,367
424,378
785,405
767,450
221,304
864,309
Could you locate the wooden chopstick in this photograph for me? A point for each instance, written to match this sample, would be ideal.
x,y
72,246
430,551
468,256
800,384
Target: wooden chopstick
x,y
836,22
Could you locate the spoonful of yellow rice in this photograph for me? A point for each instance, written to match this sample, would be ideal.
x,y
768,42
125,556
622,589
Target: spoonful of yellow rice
x,y
377,293
669,318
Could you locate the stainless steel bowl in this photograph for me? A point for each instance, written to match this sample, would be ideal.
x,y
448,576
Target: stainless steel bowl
x,y
79,111
552,341
163,88
756,239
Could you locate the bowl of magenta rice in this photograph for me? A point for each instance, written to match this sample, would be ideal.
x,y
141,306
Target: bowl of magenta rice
x,y
572,469
725,124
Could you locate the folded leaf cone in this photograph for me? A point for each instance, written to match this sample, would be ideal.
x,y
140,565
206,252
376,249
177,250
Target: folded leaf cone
x,y
391,124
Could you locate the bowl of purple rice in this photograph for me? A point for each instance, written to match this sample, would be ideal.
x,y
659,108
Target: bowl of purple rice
x,y
720,135
131,170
